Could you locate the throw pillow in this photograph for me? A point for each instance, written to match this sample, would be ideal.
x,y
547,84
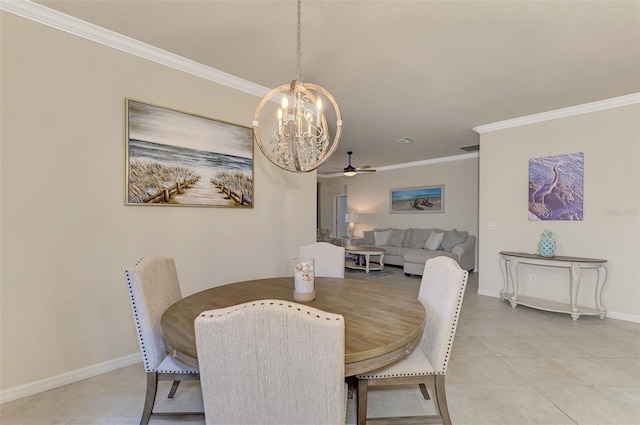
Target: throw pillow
x,y
452,239
382,237
396,238
369,237
418,238
434,241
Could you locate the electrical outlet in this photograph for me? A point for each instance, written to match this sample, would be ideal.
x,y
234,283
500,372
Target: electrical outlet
x,y
492,225
533,277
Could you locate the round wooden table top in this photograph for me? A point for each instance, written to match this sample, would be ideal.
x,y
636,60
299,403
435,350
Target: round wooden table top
x,y
382,324
363,249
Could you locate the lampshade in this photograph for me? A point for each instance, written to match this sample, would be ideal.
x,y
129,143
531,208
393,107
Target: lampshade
x,y
351,218
293,123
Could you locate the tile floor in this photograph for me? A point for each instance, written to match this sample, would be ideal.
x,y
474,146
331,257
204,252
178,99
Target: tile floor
x,y
509,366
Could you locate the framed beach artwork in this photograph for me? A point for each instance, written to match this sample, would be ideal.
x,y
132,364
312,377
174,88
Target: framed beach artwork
x,y
556,185
412,200
179,158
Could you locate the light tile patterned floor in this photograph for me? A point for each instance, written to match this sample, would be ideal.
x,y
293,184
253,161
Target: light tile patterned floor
x,y
509,367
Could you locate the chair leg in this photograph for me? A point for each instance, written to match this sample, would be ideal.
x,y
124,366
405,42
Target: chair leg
x,y
425,393
441,400
150,397
361,415
174,388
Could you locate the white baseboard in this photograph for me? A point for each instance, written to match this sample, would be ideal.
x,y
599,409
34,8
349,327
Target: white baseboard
x,y
623,316
493,294
67,378
610,314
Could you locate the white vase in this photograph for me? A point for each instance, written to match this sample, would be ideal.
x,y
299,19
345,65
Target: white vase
x,y
304,288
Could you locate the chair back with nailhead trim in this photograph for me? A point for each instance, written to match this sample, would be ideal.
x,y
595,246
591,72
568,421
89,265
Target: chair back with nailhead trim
x,y
153,287
441,292
271,362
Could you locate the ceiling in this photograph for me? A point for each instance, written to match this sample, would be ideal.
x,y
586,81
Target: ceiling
x,y
430,71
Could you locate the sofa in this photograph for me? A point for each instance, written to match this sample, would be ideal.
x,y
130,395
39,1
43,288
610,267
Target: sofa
x,y
411,248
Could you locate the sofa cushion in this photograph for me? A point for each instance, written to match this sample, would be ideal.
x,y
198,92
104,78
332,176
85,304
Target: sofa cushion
x,y
433,241
407,237
381,237
418,238
420,256
396,238
451,239
368,237
397,251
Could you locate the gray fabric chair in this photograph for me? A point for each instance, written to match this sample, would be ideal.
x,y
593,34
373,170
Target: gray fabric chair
x,y
153,287
441,292
271,362
329,259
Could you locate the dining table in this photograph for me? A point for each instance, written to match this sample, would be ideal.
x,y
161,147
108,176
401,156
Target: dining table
x,y
382,324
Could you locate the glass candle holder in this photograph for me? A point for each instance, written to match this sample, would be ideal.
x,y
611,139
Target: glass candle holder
x,y
304,288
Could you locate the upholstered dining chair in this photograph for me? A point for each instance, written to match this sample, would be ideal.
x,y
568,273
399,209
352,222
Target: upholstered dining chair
x,y
441,292
271,362
153,286
329,258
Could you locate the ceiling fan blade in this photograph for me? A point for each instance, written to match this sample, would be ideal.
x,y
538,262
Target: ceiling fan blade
x,y
364,167
366,171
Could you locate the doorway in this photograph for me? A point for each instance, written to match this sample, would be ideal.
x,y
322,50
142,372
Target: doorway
x,y
340,210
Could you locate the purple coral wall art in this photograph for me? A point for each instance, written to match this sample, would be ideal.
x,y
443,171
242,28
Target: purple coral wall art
x,y
556,187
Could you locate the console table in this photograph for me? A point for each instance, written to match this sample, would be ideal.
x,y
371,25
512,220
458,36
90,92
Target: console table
x,y
509,262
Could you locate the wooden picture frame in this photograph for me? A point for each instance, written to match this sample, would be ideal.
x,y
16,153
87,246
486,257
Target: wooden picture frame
x,y
417,200
183,159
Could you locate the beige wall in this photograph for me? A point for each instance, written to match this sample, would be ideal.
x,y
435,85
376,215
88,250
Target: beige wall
x,y
66,235
368,195
610,142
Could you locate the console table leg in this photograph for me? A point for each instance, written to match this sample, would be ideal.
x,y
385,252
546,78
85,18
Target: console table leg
x,y
602,276
574,284
513,275
505,276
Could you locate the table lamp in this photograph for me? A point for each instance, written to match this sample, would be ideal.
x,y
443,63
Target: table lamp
x,y
352,219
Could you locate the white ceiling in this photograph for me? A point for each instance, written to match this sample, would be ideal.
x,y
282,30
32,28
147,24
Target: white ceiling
x,y
426,70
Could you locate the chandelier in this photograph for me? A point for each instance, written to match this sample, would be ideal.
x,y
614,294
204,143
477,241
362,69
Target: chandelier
x,y
296,120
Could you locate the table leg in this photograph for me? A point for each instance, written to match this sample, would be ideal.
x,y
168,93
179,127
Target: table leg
x,y
513,275
574,285
366,262
602,276
381,263
505,276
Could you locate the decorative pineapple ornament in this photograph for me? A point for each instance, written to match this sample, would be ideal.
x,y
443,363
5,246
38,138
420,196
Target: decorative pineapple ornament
x,y
547,246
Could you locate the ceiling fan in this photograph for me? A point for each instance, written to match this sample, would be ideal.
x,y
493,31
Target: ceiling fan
x,y
350,170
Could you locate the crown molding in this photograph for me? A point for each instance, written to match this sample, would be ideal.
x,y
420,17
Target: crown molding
x,y
600,105
54,19
412,164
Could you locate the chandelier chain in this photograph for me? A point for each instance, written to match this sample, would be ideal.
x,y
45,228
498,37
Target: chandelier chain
x,y
299,42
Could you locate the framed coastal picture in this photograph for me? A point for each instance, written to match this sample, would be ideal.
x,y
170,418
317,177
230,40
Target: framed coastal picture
x,y
184,159
556,187
416,200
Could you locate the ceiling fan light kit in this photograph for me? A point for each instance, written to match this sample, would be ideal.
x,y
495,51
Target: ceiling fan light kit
x,y
297,124
350,170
